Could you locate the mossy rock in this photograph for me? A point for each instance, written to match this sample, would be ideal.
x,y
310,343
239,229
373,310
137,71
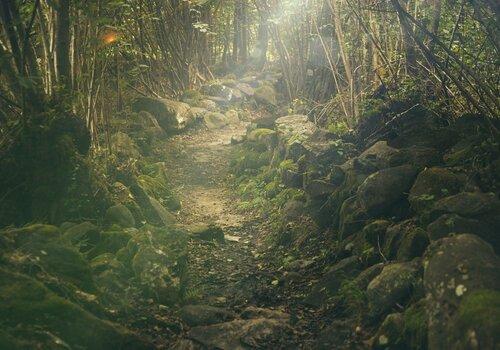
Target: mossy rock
x,y
124,147
413,245
106,261
374,232
112,241
206,232
63,261
215,120
32,233
120,215
478,320
266,136
415,325
85,235
431,185
266,95
390,333
27,302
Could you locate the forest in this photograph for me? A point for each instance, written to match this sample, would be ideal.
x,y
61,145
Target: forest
x,y
249,174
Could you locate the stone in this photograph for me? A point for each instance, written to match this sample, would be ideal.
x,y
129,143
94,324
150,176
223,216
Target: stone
x,y
86,235
385,189
330,283
28,303
294,127
208,105
461,281
251,312
468,204
374,232
413,245
215,120
203,315
166,217
352,217
124,147
246,89
292,179
36,233
390,333
119,215
380,154
392,287
171,115
431,185
447,224
319,188
266,95
206,232
242,334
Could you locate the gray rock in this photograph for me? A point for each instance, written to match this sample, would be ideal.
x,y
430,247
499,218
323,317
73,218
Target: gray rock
x,y
266,95
206,232
392,287
319,188
390,333
241,334
215,120
431,185
413,245
171,115
462,280
296,127
332,280
203,315
385,188
453,223
251,312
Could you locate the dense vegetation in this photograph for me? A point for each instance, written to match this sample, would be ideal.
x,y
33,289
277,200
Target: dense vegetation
x,y
249,174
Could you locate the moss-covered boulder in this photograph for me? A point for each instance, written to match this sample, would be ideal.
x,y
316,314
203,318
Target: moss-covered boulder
x,y
63,261
26,303
386,188
390,333
392,287
374,232
267,137
352,217
266,95
462,280
413,245
120,215
332,280
203,315
206,232
171,115
447,224
124,147
294,127
29,234
431,185
84,235
215,120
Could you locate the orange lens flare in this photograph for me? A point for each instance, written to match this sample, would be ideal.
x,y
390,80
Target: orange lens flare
x,y
110,37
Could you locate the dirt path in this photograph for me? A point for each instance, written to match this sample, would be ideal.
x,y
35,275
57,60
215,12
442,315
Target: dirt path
x,y
199,172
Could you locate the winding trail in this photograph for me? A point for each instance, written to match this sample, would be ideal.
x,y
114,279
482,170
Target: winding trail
x,y
220,274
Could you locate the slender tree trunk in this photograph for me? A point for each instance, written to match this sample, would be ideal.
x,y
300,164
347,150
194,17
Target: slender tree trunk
x,y
63,45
